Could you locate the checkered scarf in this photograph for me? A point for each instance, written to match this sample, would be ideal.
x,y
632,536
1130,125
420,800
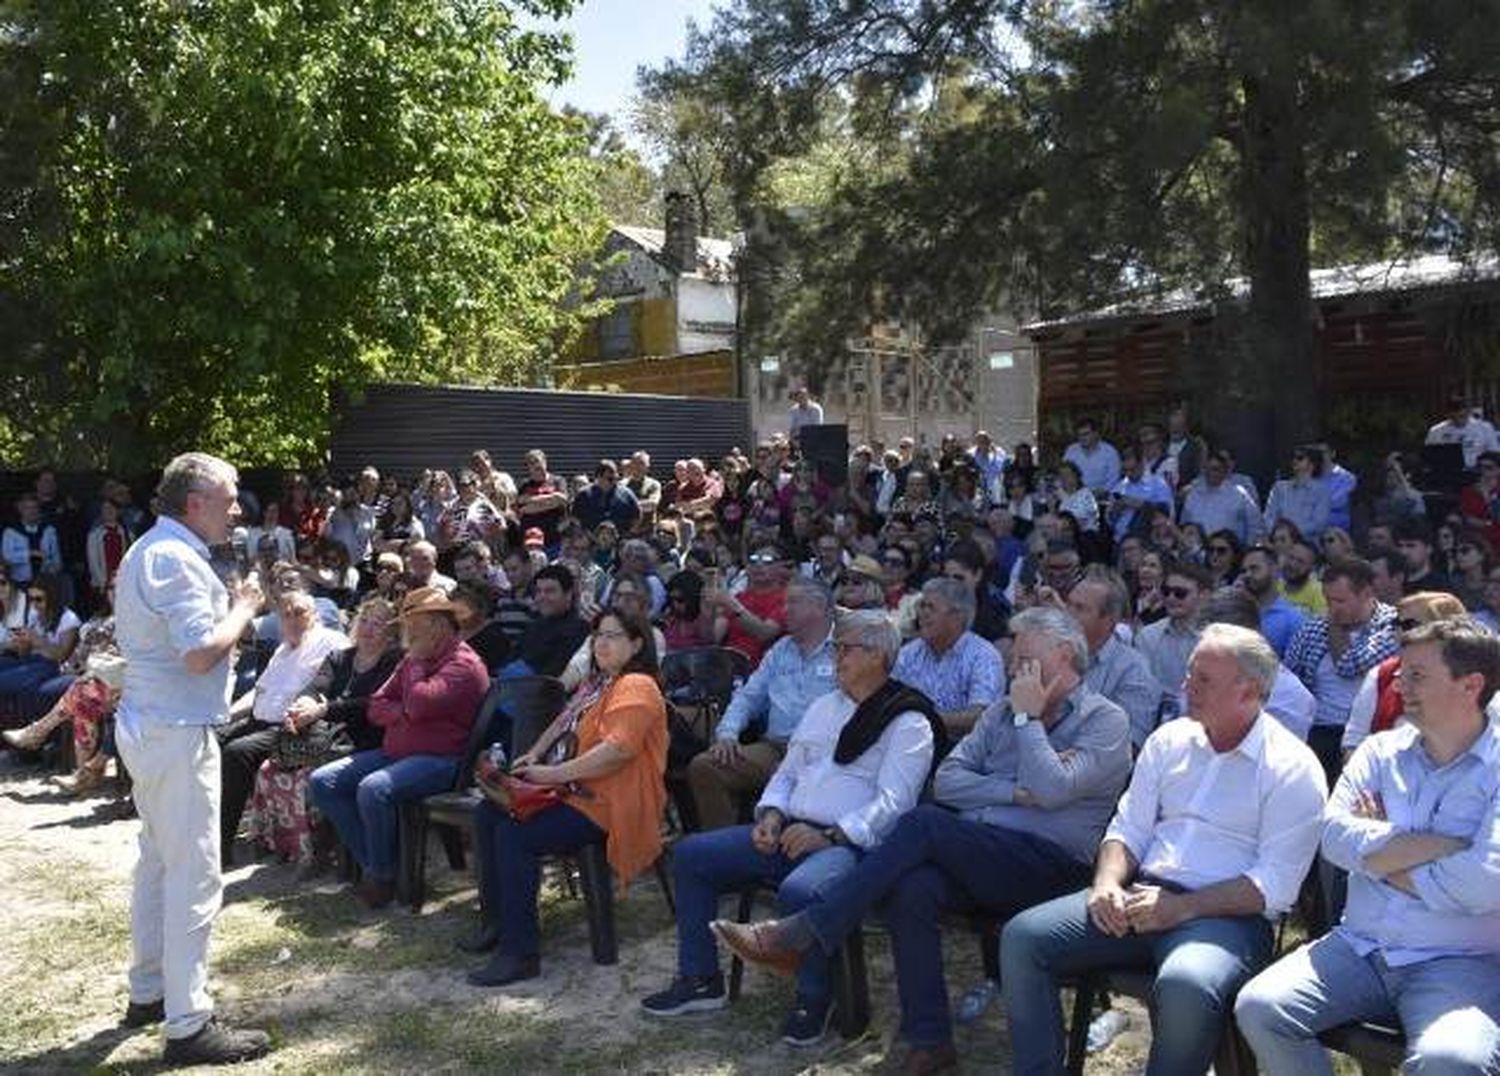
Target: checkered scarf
x,y
1371,644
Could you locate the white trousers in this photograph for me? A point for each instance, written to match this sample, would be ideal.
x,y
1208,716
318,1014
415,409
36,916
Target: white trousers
x,y
178,889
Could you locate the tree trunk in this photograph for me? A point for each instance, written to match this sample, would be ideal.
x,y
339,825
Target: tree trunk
x,y
1280,336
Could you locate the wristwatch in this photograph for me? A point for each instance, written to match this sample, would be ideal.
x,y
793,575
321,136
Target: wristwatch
x,y
1020,720
834,835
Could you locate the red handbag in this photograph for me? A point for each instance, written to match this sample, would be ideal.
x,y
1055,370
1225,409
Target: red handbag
x,y
520,799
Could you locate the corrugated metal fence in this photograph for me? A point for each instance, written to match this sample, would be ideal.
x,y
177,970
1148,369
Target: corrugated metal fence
x,y
403,429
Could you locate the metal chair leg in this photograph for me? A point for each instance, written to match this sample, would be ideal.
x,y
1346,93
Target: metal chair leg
x,y
737,966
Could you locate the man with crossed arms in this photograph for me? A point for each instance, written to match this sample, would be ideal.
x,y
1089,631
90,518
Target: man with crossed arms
x,y
1415,820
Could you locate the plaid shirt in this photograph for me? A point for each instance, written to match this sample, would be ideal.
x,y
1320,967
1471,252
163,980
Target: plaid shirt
x,y
1370,644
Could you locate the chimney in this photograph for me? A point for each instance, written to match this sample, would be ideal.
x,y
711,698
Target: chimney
x,y
680,246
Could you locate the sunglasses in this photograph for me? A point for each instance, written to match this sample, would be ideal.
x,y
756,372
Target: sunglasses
x,y
1407,623
1180,593
763,558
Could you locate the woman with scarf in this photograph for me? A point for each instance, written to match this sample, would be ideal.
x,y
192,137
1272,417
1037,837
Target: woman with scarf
x,y
605,754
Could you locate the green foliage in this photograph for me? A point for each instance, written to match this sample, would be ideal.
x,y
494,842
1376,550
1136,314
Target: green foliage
x,y
215,214
1048,155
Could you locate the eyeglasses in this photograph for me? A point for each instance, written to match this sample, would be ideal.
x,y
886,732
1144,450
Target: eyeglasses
x,y
763,558
1407,623
611,635
1180,593
844,648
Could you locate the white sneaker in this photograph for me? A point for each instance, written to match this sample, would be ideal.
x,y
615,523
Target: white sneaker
x,y
976,1000
1105,1028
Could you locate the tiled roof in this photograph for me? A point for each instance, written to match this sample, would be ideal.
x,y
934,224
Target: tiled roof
x,y
715,256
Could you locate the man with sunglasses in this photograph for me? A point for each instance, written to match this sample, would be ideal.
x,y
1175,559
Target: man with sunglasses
x,y
1331,654
751,620
1168,644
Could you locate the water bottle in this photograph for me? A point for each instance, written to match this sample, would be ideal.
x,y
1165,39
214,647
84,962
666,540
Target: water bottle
x,y
497,756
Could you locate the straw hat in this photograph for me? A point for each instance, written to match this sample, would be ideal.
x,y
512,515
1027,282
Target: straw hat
x,y
426,600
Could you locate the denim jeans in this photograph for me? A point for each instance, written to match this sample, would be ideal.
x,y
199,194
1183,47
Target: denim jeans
x,y
1449,1008
510,866
708,865
25,674
1199,966
934,861
360,794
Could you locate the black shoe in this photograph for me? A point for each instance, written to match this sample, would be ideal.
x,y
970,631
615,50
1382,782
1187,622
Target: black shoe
x,y
807,1023
144,1013
688,994
214,1044
481,941
502,970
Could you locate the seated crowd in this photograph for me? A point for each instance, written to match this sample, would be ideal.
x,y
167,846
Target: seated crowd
x,y
1124,707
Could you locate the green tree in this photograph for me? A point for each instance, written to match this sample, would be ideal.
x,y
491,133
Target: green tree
x,y
215,215
1064,153
629,189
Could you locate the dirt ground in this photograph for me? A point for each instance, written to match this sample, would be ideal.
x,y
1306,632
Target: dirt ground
x,y
345,990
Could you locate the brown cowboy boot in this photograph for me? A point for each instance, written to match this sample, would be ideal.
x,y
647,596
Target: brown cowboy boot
x,y
86,778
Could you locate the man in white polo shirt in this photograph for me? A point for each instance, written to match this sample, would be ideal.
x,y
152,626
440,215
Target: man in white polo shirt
x,y
177,627
1207,849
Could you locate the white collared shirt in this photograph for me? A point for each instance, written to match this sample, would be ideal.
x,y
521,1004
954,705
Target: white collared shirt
x,y
168,601
290,670
864,798
1196,817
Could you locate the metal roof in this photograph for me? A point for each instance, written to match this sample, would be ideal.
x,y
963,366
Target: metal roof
x,y
715,256
1374,278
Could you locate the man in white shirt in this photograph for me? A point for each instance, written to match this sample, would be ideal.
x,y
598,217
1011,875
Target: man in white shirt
x,y
1096,459
177,628
857,761
1463,427
1208,848
261,711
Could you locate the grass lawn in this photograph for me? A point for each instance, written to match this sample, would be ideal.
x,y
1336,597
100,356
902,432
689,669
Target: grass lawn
x,y
345,990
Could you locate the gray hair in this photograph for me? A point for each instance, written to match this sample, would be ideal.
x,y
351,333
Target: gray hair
x,y
1254,656
954,594
813,586
191,472
1116,595
1058,626
872,628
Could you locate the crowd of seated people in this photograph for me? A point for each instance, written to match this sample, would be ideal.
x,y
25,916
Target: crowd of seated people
x,y
1120,646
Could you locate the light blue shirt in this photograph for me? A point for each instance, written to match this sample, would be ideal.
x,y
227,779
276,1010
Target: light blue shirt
x,y
1222,507
1457,907
168,602
1279,621
1304,503
1149,488
1100,468
968,673
16,549
1074,772
1340,485
781,689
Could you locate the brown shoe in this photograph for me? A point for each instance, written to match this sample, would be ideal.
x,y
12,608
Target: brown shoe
x,y
929,1060
33,736
374,893
85,779
758,943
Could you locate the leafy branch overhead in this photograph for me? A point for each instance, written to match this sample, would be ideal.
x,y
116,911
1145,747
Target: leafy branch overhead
x,y
1046,156
213,215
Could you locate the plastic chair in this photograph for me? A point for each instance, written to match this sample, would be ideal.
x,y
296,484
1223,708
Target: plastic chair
x,y
530,702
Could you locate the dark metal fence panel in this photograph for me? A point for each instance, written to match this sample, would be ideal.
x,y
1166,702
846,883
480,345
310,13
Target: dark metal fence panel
x,y
403,429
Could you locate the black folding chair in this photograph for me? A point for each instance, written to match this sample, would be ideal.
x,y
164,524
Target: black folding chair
x,y
530,702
